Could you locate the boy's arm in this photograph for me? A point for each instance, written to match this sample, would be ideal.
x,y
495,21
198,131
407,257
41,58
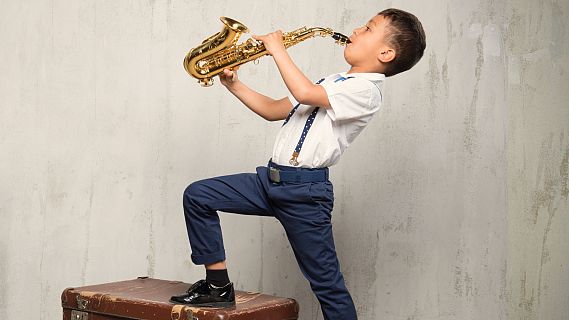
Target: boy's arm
x,y
266,107
301,88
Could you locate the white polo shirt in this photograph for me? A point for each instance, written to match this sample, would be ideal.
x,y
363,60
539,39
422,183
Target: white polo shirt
x,y
353,103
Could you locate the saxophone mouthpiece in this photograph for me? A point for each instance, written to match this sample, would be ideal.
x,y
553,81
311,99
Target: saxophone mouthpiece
x,y
342,39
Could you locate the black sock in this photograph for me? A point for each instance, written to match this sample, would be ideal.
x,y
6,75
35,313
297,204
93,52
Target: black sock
x,y
218,278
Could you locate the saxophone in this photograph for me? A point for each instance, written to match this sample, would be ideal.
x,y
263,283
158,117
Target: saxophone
x,y
221,51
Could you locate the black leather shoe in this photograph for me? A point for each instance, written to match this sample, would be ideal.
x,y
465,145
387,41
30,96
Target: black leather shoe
x,y
203,294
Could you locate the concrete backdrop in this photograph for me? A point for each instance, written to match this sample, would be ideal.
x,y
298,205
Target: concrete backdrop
x,y
452,204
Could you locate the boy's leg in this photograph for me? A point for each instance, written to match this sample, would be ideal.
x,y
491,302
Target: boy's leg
x,y
239,193
309,230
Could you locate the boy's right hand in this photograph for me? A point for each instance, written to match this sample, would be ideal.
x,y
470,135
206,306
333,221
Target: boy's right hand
x,y
228,78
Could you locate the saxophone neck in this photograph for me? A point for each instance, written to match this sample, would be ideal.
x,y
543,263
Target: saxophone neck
x,y
301,34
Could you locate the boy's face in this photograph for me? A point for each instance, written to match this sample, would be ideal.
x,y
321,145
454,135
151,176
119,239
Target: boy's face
x,y
368,44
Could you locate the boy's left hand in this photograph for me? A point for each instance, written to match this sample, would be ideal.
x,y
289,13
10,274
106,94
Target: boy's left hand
x,y
273,41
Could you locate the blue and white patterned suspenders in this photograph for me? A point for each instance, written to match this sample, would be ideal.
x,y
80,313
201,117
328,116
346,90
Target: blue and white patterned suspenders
x,y
307,125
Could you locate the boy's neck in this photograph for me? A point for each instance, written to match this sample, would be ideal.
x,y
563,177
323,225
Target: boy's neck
x,y
356,69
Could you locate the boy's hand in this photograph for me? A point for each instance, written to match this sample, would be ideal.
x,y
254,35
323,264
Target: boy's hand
x,y
228,78
273,42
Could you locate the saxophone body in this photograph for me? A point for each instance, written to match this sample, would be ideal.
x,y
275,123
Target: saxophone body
x,y
221,51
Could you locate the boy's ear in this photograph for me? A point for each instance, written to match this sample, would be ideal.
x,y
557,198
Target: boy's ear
x,y
386,54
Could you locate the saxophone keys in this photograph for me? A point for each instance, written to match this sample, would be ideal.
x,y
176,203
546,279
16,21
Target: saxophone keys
x,y
206,82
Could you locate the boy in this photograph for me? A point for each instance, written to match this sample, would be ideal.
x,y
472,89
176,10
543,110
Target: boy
x,y
294,187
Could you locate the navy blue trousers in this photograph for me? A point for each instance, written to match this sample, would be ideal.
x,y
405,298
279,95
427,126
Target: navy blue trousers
x,y
303,209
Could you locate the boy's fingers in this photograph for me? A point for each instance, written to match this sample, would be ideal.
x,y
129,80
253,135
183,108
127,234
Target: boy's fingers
x,y
229,74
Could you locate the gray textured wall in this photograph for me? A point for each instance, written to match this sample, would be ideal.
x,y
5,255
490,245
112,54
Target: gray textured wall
x,y
452,204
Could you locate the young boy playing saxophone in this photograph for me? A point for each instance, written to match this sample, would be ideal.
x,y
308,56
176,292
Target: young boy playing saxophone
x,y
321,120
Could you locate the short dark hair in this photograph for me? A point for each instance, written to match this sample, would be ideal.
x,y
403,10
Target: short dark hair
x,y
406,35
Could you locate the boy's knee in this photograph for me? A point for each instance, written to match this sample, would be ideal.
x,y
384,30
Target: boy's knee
x,y
193,192
196,187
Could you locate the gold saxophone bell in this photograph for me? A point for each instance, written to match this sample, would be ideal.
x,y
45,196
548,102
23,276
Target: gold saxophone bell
x,y
221,51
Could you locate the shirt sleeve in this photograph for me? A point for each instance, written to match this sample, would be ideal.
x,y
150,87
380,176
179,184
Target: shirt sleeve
x,y
352,98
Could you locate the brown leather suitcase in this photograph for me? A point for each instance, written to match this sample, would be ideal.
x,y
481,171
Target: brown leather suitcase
x,y
148,299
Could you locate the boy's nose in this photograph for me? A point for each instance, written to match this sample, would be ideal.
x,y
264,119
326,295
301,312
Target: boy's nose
x,y
356,30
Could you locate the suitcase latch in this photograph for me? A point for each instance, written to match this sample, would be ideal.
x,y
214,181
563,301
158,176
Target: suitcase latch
x,y
79,315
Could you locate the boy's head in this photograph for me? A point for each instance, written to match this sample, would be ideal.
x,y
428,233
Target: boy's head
x,y
393,41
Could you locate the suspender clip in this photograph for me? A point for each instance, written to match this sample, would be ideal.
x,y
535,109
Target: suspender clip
x,y
292,160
